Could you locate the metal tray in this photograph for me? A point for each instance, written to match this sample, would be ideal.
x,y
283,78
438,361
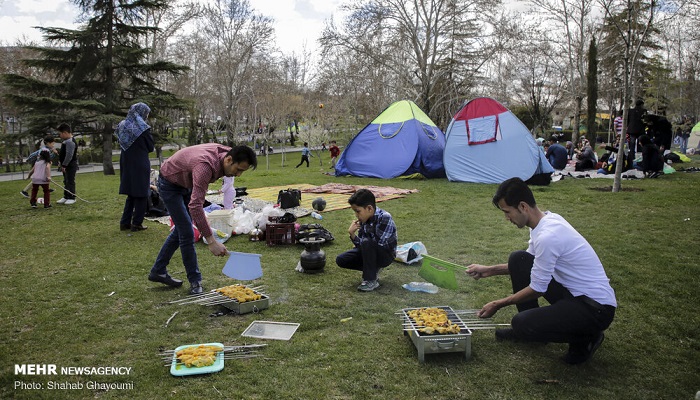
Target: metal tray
x,y
248,306
271,330
181,370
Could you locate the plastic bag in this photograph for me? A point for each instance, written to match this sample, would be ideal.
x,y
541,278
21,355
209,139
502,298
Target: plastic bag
x,y
410,253
219,236
262,218
244,221
426,287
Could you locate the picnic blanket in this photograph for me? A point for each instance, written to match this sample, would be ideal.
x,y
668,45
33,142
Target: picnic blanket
x,y
336,195
570,171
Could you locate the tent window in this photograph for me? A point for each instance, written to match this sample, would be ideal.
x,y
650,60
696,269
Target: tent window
x,y
389,135
430,131
482,130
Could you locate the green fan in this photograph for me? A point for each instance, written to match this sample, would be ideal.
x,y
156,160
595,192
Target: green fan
x,y
440,273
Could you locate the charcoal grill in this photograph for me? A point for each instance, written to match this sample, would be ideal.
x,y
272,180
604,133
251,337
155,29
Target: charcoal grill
x,y
446,343
215,298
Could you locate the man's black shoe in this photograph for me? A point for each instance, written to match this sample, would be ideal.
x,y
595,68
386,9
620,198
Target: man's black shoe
x,y
196,288
124,227
505,335
581,355
136,228
165,279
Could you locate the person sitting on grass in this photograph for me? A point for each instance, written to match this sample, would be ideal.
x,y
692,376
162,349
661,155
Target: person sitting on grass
x,y
556,153
374,235
559,265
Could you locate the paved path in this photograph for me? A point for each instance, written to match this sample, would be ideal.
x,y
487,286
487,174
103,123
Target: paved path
x,y
95,167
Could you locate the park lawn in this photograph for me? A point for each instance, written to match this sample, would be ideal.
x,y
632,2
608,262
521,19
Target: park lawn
x,y
75,294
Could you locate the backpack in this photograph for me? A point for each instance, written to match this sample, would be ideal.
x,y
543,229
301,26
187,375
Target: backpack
x,y
155,206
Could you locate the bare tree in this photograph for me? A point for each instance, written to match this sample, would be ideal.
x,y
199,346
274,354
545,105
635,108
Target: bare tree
x,y
540,83
426,47
570,24
237,33
633,28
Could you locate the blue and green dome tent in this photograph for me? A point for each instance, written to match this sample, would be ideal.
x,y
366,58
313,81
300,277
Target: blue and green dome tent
x,y
402,140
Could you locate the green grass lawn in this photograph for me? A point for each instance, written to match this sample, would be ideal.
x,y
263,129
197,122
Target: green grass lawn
x,y
75,294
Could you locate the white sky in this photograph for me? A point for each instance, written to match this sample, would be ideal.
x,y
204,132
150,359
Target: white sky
x,y
297,22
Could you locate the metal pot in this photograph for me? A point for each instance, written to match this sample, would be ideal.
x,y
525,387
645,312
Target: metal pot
x,y
312,259
256,235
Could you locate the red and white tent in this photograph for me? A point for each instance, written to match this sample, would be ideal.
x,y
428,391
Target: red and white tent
x,y
486,143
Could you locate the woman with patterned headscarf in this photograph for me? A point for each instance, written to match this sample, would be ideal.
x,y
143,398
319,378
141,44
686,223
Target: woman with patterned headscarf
x,y
136,141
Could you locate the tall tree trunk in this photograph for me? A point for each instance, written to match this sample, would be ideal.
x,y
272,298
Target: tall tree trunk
x,y
107,166
577,119
592,91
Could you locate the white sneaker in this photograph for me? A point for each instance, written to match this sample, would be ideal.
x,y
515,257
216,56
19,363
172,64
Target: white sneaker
x,y
69,202
63,200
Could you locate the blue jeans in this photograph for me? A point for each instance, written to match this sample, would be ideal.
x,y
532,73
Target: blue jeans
x,y
684,144
176,198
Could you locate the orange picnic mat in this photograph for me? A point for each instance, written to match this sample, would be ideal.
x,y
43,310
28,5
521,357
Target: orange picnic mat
x,y
336,195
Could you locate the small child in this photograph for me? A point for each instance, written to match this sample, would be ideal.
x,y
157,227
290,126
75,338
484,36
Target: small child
x,y
228,191
48,143
40,175
374,236
335,152
305,153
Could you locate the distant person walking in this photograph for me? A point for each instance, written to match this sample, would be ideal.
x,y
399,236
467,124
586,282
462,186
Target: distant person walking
x,y
617,124
305,153
68,159
136,141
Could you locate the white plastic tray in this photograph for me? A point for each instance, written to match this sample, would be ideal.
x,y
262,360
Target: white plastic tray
x,y
271,330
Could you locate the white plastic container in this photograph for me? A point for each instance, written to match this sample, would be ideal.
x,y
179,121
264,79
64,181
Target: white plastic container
x,y
222,220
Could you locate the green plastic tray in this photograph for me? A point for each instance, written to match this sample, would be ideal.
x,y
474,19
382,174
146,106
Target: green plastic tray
x,y
181,370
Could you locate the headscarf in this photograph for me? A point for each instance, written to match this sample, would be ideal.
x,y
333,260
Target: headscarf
x,y
133,126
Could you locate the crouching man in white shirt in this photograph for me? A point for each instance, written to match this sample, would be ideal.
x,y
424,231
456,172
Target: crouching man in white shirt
x,y
559,265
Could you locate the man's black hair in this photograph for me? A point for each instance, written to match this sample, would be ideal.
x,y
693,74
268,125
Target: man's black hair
x,y
64,128
244,154
49,139
513,191
363,198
